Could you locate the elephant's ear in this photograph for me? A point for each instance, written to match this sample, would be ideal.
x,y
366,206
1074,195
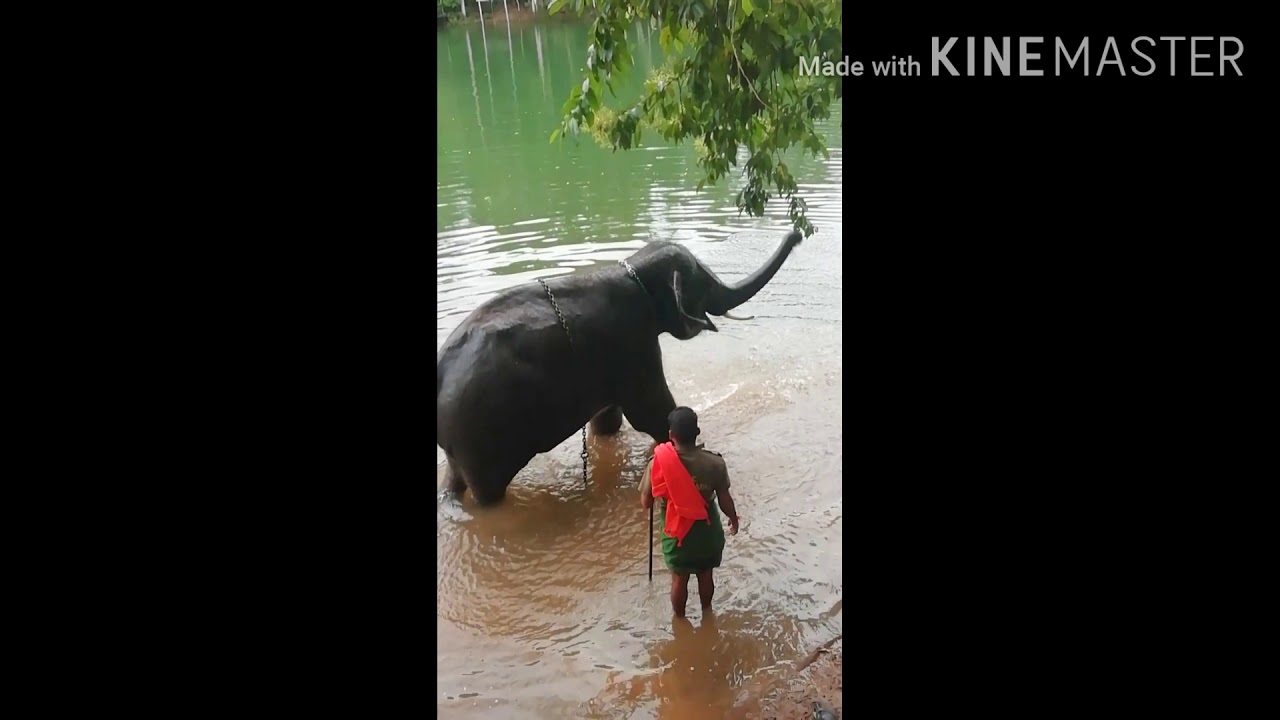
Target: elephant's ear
x,y
689,324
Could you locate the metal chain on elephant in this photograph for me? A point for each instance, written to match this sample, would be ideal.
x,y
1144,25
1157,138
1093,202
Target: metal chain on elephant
x,y
560,316
632,272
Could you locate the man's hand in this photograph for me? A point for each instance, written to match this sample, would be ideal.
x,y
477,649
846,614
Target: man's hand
x,y
733,525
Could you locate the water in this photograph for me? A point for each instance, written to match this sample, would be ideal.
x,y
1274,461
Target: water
x,y
544,609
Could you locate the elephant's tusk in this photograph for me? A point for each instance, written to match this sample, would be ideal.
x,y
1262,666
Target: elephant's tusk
x,y
735,317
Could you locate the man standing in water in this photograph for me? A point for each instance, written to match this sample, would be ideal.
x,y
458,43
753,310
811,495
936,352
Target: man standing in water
x,y
686,478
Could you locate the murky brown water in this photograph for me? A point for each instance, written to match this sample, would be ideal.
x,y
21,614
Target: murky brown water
x,y
544,607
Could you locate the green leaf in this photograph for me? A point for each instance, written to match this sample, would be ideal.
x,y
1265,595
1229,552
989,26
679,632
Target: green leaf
x,y
703,94
555,6
572,102
555,135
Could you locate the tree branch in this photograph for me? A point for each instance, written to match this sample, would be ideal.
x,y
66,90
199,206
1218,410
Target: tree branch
x,y
733,45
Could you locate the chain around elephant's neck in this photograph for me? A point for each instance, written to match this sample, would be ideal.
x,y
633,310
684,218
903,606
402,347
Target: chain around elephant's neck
x,y
632,272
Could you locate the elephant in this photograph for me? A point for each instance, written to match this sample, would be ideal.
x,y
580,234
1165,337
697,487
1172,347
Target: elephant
x,y
511,382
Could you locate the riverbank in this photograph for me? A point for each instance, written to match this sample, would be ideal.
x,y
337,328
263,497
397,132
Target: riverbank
x,y
821,680
513,15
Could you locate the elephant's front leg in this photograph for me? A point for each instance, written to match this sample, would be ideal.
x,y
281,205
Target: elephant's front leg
x,y
647,406
607,421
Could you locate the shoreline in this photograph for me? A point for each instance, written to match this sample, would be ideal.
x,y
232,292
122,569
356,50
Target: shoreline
x,y
819,678
516,15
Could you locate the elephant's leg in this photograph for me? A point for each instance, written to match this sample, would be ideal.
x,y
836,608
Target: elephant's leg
x,y
490,493
491,471
453,480
647,407
607,421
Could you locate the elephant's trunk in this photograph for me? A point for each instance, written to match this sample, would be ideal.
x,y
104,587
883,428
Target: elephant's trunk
x,y
724,298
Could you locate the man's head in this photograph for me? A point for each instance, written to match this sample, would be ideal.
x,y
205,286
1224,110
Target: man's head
x,y
683,423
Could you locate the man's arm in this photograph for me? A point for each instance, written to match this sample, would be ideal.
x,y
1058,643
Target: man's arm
x,y
726,504
725,500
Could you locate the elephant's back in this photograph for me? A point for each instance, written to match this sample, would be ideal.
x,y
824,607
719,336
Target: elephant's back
x,y
506,344
499,322
490,318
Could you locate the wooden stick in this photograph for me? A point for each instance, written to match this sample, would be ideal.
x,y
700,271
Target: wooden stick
x,y
651,543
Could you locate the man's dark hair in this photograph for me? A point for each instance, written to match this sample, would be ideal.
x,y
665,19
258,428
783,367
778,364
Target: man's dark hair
x,y
683,422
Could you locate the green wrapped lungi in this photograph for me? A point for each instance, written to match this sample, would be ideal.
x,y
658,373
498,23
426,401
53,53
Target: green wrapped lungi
x,y
703,546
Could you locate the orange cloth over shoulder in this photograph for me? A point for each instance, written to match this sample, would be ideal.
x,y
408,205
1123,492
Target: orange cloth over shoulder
x,y
672,481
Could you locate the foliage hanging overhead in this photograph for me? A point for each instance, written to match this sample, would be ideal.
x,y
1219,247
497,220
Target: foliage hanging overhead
x,y
733,80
